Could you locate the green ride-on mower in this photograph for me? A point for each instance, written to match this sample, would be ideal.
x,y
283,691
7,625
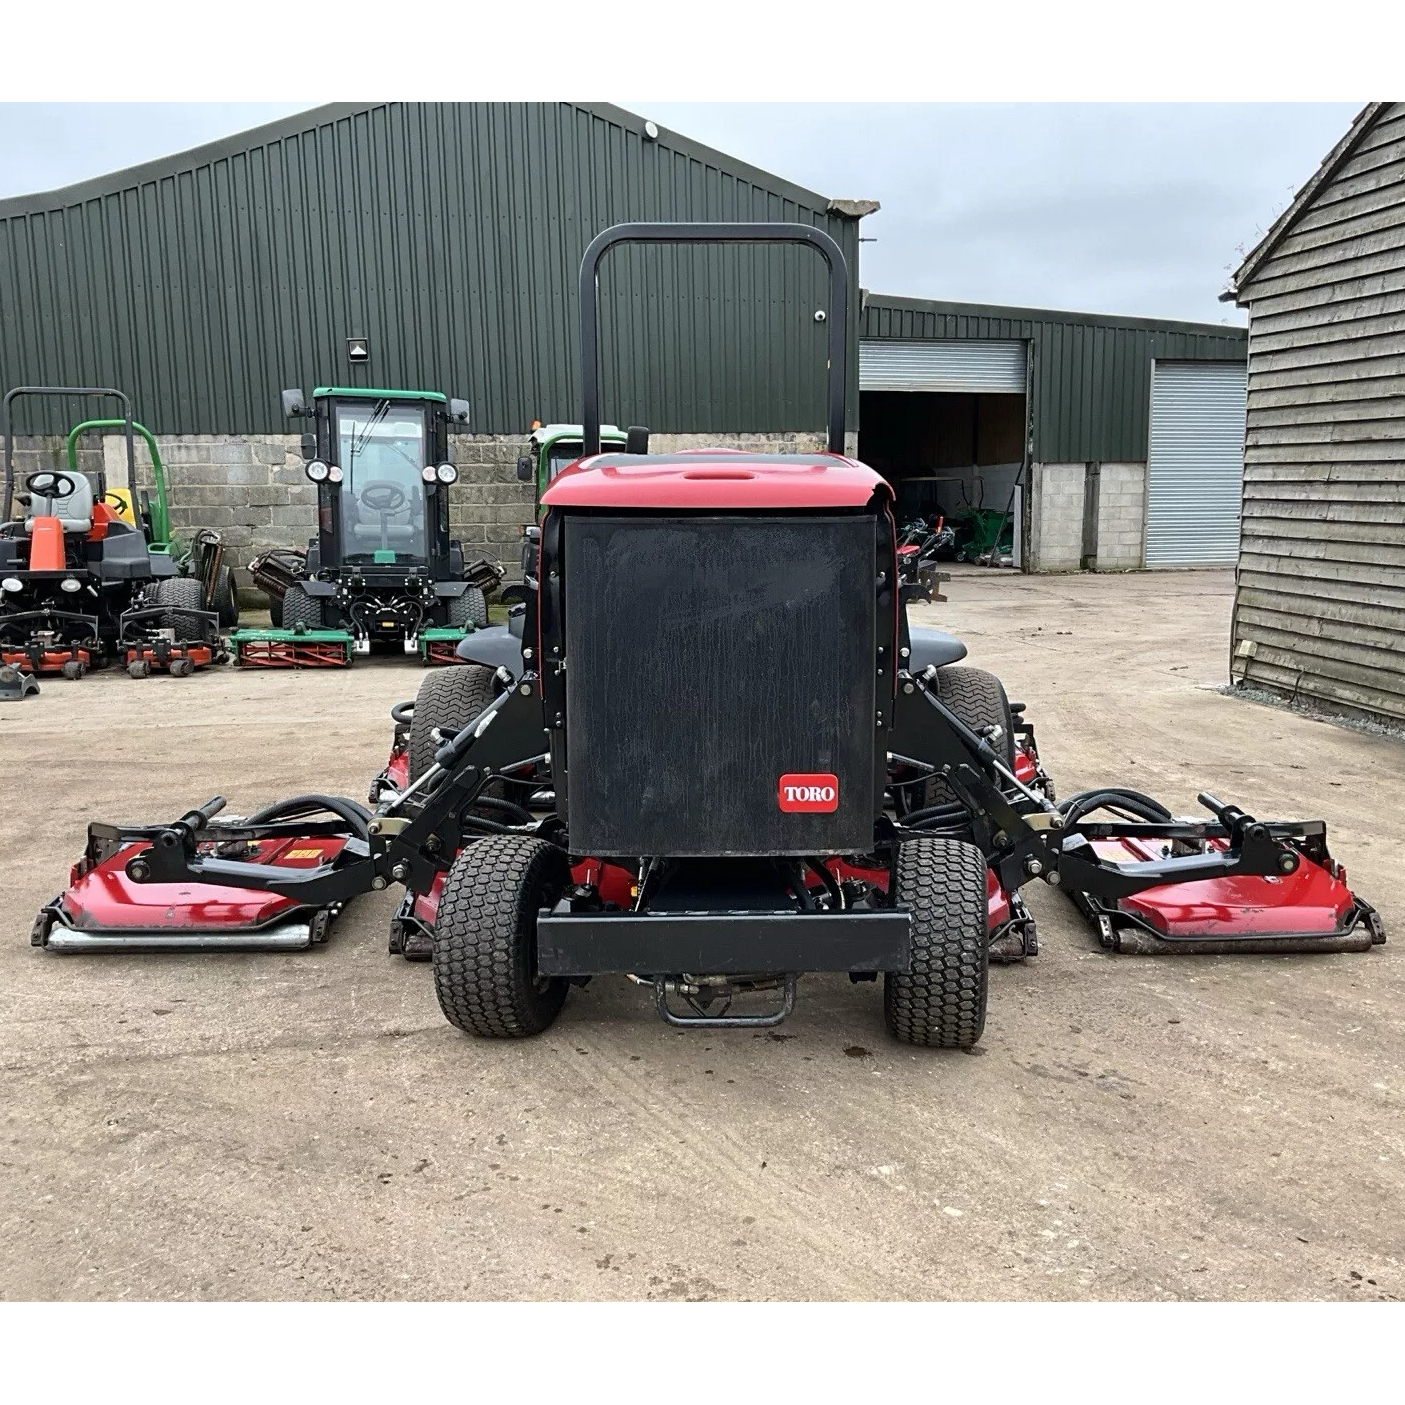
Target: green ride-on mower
x,y
382,568
551,448
87,580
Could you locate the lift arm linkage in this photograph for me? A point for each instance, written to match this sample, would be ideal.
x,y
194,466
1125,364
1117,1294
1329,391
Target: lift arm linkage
x,y
506,737
1025,835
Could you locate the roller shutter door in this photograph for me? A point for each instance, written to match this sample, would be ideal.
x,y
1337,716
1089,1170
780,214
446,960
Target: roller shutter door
x,y
1195,465
962,366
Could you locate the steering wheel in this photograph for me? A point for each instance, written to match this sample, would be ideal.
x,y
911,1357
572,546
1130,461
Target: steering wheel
x,y
382,496
52,485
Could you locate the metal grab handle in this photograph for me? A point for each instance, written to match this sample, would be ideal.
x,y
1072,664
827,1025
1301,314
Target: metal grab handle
x,y
710,233
197,819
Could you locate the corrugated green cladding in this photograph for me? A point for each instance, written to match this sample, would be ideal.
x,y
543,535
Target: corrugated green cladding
x,y
450,234
1091,376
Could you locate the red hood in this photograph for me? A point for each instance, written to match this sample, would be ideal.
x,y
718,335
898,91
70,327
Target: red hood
x,y
715,478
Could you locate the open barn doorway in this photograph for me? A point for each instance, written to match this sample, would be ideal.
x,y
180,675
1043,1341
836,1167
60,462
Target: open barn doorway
x,y
953,456
946,423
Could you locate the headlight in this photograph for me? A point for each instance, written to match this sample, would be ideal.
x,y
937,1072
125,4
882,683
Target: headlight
x,y
334,473
446,473
11,583
70,585
427,473
318,471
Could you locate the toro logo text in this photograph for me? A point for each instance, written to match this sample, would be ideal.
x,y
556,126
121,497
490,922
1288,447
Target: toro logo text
x,y
808,793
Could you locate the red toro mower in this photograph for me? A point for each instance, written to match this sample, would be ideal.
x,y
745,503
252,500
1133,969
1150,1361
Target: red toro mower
x,y
709,754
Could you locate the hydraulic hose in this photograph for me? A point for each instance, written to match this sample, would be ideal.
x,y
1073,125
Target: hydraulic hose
x,y
1113,798
403,713
830,882
504,807
950,813
298,807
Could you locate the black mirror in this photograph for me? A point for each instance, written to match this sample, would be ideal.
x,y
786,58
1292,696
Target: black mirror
x,y
524,469
293,404
636,439
458,411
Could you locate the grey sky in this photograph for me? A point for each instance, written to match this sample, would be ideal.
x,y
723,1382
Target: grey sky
x,y
1135,209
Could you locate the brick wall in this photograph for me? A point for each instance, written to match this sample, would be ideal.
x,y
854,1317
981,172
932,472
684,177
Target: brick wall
x,y
1121,516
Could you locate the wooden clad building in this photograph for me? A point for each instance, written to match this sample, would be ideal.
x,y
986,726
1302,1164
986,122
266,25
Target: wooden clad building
x,y
1320,605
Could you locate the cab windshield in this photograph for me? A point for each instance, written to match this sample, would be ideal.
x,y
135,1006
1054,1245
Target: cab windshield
x,y
561,454
381,450
564,452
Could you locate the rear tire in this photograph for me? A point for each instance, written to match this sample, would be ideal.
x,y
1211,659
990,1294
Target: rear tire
x,y
470,608
941,1003
300,608
449,697
179,595
226,601
978,699
485,937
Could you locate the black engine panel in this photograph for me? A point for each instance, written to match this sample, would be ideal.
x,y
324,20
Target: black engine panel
x,y
706,658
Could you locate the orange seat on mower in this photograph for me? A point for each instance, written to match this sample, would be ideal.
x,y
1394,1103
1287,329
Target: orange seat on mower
x,y
46,544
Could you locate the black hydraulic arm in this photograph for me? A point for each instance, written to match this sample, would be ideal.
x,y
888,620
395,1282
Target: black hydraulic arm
x,y
381,848
1029,837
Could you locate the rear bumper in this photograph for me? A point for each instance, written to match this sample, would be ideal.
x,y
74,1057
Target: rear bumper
x,y
731,943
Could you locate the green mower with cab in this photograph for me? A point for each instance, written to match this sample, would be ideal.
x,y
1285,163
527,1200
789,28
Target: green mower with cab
x,y
382,569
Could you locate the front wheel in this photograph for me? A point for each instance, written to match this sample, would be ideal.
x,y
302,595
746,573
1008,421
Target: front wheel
x,y
941,1001
448,698
978,699
226,601
470,608
300,608
183,600
485,937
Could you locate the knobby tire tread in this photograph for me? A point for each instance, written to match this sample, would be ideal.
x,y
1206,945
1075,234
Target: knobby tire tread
x,y
485,937
941,1002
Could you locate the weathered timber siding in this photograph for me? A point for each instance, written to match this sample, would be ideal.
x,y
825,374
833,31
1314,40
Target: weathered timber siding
x,y
1320,610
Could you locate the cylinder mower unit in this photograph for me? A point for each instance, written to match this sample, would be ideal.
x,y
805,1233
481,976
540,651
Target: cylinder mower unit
x,y
709,754
382,568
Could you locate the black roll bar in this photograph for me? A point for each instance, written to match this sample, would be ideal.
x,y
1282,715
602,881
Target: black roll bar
x,y
64,390
713,233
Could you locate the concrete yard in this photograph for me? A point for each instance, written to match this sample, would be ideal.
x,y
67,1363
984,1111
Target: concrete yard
x,y
308,1126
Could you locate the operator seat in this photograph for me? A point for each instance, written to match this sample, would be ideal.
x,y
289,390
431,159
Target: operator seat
x,y
75,512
